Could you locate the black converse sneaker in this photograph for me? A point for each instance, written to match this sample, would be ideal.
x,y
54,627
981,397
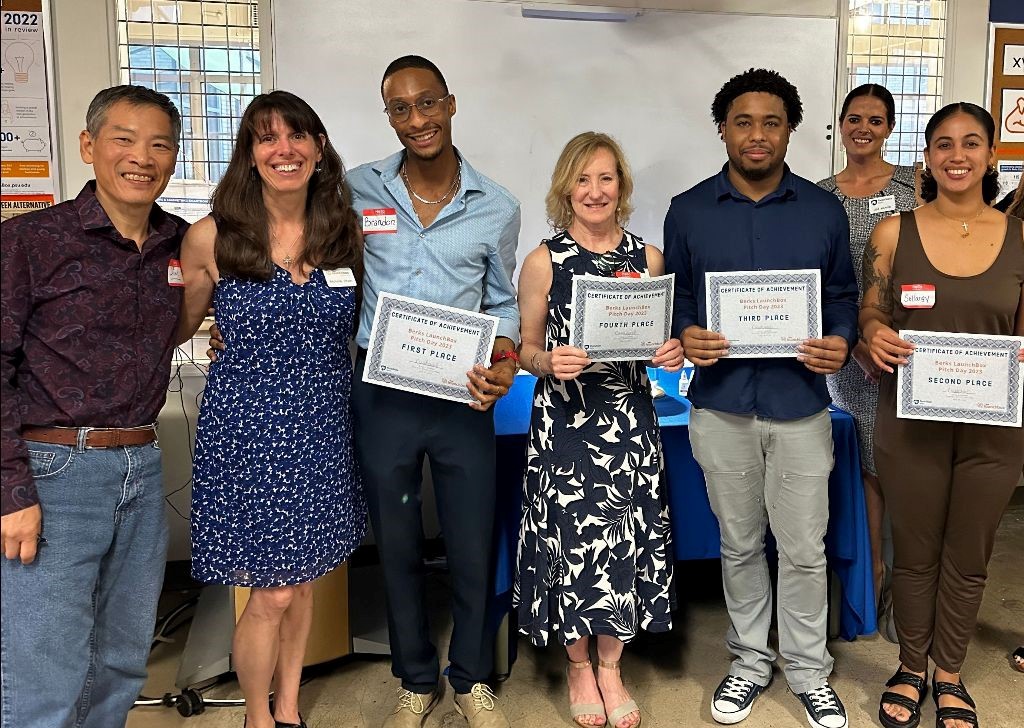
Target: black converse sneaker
x,y
823,707
733,699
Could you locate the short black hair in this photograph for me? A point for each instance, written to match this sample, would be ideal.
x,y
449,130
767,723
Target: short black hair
x,y
876,91
96,116
757,80
400,64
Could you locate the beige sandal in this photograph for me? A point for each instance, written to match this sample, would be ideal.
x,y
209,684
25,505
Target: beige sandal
x,y
625,708
577,710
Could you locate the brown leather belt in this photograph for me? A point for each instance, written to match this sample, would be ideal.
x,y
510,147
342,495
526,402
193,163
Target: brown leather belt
x,y
94,437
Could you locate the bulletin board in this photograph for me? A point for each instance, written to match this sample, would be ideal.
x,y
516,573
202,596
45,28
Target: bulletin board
x,y
29,173
1006,100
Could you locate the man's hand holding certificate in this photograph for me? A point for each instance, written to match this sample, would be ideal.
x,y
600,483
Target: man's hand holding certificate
x,y
760,314
764,313
427,348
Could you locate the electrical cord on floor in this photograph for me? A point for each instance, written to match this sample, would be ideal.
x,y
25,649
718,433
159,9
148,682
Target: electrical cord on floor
x,y
191,700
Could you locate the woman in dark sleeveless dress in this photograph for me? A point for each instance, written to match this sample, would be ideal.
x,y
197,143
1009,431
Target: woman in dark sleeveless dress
x,y
953,265
276,501
595,561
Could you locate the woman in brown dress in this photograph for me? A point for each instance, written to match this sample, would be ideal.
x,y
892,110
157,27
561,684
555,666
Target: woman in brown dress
x,y
945,484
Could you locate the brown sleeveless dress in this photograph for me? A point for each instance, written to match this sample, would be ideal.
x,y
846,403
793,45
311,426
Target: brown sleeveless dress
x,y
946,484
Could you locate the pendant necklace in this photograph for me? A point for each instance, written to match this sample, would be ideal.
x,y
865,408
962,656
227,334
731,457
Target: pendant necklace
x,y
455,186
963,224
287,259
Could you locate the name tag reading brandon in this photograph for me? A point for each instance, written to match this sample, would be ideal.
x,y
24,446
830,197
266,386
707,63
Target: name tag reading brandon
x,y
961,378
618,319
427,348
764,313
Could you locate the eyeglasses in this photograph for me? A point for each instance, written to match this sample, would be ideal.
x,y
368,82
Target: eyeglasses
x,y
428,106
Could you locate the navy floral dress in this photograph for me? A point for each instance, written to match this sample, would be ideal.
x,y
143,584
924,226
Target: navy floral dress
x,y
595,556
276,498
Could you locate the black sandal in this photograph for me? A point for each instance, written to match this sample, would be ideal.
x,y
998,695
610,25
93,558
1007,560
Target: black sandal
x,y
1017,659
902,677
957,690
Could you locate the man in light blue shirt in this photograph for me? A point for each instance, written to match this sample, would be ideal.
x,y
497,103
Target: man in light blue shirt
x,y
435,230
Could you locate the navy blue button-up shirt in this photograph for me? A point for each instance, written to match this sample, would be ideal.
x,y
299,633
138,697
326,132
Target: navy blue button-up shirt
x,y
713,227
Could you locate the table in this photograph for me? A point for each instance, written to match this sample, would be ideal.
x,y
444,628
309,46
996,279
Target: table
x,y
694,527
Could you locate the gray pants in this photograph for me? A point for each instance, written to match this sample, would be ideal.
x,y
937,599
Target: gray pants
x,y
763,472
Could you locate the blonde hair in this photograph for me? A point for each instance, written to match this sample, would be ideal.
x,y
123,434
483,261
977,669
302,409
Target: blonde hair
x,y
1017,206
576,155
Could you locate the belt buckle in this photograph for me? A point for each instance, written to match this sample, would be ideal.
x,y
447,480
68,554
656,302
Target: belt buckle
x,y
82,440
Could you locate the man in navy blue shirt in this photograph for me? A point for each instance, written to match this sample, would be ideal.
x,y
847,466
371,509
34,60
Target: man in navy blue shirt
x,y
760,428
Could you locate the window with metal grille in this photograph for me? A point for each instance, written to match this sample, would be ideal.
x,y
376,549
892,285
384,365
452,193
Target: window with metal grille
x,y
205,56
900,44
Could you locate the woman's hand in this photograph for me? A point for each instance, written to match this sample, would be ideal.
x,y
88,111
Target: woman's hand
x,y
669,356
862,355
566,362
886,347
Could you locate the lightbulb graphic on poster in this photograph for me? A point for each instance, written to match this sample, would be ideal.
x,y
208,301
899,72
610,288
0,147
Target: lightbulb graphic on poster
x,y
25,141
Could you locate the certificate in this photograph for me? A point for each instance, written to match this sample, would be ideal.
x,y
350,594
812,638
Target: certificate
x,y
961,378
427,348
617,319
764,313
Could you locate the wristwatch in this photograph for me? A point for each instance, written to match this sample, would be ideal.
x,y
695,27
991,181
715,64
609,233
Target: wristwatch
x,y
507,354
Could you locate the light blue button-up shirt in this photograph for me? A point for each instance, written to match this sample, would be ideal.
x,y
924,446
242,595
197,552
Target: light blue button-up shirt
x,y
464,259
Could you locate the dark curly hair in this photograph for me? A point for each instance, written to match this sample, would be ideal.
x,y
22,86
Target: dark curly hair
x,y
990,183
758,80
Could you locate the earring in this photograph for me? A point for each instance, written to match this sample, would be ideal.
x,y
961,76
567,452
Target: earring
x,y
317,169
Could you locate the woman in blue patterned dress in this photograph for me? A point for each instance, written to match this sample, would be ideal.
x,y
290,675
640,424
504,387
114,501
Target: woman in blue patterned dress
x,y
595,559
871,189
276,501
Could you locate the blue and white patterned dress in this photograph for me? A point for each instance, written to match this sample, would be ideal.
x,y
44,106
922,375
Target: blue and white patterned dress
x,y
276,497
595,554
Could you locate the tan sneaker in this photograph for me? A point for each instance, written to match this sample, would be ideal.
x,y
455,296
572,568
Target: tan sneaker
x,y
412,709
480,709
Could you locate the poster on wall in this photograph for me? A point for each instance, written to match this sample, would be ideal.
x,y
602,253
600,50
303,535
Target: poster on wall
x,y
1006,101
27,164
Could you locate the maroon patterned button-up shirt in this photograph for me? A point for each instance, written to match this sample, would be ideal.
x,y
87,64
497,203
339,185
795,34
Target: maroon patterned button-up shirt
x,y
88,326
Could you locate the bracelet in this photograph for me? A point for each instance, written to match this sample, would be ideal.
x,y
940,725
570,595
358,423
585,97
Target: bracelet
x,y
507,354
536,366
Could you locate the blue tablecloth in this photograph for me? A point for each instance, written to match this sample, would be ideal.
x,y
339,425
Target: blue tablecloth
x,y
694,527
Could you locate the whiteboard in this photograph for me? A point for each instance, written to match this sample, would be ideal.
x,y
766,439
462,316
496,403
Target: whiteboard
x,y
525,86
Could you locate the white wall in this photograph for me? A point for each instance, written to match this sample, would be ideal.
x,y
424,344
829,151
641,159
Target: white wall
x,y
966,51
83,66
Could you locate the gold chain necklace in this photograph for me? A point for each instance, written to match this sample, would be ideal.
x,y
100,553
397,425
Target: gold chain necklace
x,y
963,224
455,185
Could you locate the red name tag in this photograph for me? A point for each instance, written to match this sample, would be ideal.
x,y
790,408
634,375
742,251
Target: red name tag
x,y
627,274
379,220
917,295
174,276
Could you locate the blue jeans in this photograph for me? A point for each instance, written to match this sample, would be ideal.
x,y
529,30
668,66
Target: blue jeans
x,y
77,623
